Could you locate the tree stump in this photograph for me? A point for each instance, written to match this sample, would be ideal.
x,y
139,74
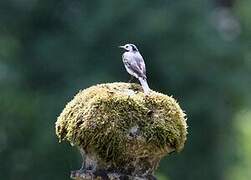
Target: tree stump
x,y
121,132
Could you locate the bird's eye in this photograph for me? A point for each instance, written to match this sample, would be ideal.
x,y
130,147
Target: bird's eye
x,y
127,47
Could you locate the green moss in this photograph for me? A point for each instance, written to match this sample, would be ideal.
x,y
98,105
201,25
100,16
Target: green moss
x,y
119,123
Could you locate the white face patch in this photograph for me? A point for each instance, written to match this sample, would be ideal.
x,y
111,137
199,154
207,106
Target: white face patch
x,y
128,47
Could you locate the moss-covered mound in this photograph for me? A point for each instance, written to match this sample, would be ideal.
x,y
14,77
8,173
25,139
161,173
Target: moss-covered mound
x,y
122,127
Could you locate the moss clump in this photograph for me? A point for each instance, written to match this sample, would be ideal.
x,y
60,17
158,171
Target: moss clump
x,y
125,129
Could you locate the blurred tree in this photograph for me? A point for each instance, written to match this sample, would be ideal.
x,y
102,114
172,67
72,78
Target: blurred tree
x,y
50,49
240,162
225,3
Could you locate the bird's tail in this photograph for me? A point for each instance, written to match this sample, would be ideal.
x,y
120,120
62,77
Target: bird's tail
x,y
144,85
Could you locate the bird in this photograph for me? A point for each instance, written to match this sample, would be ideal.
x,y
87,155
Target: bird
x,y
135,65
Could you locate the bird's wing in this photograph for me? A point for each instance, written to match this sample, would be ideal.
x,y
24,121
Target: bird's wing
x,y
141,64
132,64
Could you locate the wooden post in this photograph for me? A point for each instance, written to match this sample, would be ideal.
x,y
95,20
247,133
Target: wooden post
x,y
122,134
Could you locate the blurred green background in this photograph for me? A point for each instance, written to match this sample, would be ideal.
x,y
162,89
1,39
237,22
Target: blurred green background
x,y
199,51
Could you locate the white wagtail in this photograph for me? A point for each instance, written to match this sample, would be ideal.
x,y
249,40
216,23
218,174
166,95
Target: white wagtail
x,y
135,65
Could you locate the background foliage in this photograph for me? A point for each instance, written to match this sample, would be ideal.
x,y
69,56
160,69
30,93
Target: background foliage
x,y
197,50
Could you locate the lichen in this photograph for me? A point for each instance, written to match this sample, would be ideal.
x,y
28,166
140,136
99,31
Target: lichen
x,y
120,124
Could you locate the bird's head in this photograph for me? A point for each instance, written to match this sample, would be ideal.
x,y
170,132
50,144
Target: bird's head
x,y
129,48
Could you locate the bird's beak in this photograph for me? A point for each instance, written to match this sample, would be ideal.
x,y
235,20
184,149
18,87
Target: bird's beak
x,y
123,47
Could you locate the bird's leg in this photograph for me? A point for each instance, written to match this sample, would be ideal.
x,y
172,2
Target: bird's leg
x,y
132,77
